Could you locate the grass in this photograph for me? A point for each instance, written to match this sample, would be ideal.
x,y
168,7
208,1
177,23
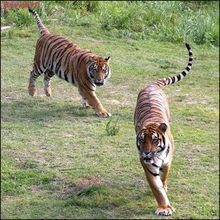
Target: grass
x,y
172,21
59,161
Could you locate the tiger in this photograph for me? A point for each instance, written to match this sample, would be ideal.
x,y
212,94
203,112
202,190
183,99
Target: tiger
x,y
55,55
154,141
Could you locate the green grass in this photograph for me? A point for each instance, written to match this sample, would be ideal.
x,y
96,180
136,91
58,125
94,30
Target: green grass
x,y
60,161
172,21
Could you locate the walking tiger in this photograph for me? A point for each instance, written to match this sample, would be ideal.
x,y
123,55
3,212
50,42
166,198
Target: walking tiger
x,y
153,136
55,55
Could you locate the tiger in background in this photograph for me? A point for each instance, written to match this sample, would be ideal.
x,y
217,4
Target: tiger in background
x,y
55,55
153,136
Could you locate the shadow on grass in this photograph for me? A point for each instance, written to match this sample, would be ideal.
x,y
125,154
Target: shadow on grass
x,y
42,110
107,197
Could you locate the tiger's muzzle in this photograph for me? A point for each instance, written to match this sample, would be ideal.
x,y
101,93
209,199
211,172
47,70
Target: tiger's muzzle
x,y
99,82
147,157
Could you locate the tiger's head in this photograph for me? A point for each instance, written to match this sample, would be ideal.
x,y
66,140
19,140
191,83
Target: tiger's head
x,y
98,70
151,142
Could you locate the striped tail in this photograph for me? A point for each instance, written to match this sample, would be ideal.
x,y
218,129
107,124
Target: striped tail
x,y
40,25
180,76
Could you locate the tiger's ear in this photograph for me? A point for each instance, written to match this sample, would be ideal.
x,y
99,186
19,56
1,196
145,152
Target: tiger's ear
x,y
162,127
90,59
107,59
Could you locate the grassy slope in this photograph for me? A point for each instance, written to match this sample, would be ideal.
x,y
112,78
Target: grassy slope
x,y
58,162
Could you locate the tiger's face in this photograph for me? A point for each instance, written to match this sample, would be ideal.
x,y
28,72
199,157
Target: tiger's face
x,y
98,70
151,142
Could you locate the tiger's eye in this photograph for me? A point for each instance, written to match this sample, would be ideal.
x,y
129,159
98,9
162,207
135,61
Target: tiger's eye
x,y
141,137
155,141
95,67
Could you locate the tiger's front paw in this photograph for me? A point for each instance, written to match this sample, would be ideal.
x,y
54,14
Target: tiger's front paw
x,y
32,90
103,114
165,210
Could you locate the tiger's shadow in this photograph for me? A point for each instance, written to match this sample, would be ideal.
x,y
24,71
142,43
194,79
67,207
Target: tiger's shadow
x,y
35,110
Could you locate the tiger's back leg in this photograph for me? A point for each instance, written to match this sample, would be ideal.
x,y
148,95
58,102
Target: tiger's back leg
x,y
34,74
47,82
85,103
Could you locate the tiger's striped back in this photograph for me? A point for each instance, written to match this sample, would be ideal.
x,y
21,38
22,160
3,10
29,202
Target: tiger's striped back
x,y
152,105
53,52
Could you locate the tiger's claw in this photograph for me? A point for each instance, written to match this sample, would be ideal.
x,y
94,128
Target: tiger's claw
x,y
103,114
168,210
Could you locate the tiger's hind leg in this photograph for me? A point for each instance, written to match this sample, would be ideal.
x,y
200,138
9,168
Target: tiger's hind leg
x,y
47,84
85,103
32,82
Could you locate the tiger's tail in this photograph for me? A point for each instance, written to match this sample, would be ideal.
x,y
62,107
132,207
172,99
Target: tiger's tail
x,y
40,25
180,76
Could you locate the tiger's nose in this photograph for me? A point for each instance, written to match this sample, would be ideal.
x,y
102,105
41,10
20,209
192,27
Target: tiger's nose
x,y
147,155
